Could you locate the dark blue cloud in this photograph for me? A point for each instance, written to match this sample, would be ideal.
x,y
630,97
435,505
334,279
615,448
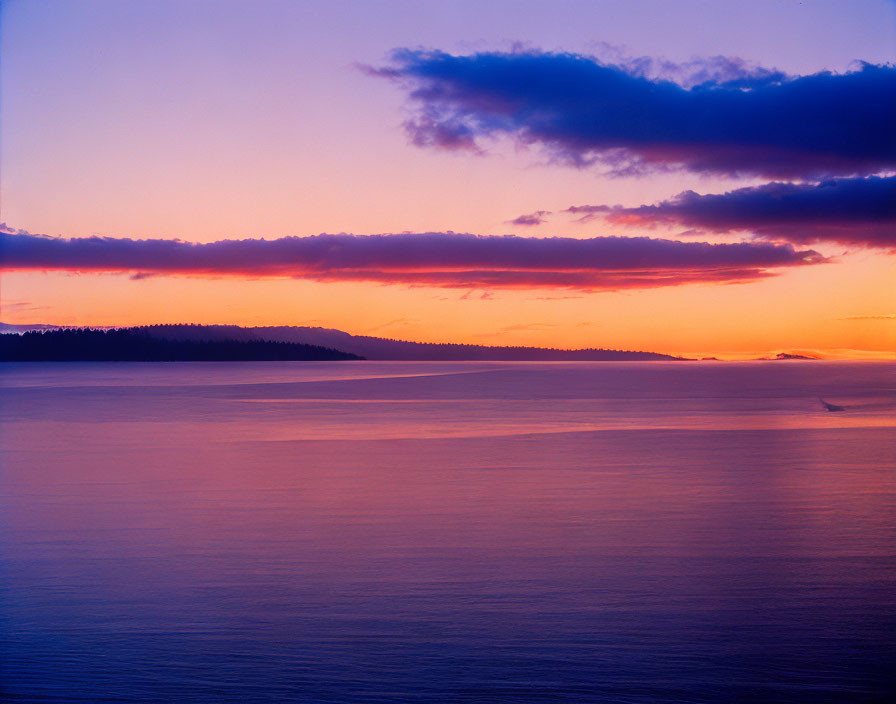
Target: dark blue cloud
x,y
847,210
583,111
442,259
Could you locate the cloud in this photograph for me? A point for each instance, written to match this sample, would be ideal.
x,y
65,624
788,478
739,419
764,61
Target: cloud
x,y
890,316
554,298
587,213
521,327
530,219
436,259
859,211
20,306
389,324
7,230
732,119
429,131
730,71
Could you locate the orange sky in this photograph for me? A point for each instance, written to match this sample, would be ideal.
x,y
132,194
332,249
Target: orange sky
x,y
813,308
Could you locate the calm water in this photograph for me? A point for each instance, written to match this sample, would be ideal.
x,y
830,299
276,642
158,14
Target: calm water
x,y
393,532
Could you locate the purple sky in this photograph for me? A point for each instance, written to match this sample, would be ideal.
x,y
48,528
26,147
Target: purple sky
x,y
211,121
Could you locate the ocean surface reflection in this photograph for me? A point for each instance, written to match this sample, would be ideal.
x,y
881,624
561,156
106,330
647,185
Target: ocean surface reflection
x,y
392,532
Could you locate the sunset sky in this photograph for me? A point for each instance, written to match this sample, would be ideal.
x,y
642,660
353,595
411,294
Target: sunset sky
x,y
691,178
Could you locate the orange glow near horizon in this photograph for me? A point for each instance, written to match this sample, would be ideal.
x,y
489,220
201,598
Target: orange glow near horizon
x,y
838,310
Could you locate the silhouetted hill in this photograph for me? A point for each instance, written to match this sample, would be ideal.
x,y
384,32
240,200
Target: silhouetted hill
x,y
139,345
377,348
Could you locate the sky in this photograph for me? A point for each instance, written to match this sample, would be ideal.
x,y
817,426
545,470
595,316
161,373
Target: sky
x,y
690,178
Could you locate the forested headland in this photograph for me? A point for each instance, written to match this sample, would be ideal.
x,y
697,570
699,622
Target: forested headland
x,y
134,345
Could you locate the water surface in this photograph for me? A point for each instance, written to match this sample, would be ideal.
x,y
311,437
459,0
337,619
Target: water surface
x,y
447,532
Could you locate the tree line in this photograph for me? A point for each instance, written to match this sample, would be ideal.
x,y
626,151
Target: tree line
x,y
129,345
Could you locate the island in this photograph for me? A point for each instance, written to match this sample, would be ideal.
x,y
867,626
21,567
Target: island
x,y
137,345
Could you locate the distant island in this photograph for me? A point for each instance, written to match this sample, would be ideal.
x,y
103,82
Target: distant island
x,y
138,345
384,349
325,342
786,355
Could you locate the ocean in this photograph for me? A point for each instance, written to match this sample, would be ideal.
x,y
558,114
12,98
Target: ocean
x,y
379,532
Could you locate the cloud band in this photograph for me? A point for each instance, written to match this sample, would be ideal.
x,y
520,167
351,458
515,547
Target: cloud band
x,y
859,211
440,259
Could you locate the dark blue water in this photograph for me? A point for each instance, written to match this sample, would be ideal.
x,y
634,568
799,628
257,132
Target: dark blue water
x,y
376,532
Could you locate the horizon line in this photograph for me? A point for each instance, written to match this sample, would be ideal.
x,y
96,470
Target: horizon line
x,y
818,354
